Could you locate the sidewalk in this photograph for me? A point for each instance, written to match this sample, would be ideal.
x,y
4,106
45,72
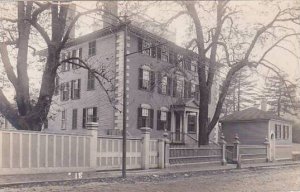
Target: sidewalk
x,y
36,179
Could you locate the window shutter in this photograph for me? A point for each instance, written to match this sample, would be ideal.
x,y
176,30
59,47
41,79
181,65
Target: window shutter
x,y
158,126
74,119
140,78
159,52
175,87
186,89
159,82
95,114
68,90
62,91
139,117
72,89
169,81
151,118
153,51
140,45
79,88
83,117
152,80
169,121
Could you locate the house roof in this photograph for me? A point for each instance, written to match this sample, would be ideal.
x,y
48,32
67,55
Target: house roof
x,y
183,102
251,114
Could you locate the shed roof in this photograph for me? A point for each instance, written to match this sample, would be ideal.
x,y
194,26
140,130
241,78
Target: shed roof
x,y
251,114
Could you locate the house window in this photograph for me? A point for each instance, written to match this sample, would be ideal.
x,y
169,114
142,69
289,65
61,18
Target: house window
x,y
146,48
74,119
194,66
63,119
65,66
56,85
164,54
164,84
277,131
89,115
163,120
180,60
145,117
91,81
286,132
74,55
178,86
92,48
172,57
65,91
146,80
75,89
192,122
187,64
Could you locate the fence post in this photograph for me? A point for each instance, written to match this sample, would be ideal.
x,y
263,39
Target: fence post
x,y
161,153
167,149
223,145
236,144
267,143
145,147
92,127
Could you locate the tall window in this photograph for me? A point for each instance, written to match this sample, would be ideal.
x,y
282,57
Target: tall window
x,y
65,89
65,66
164,54
63,119
163,120
178,85
286,132
192,123
75,89
92,48
146,79
74,119
91,81
277,131
145,117
74,54
89,115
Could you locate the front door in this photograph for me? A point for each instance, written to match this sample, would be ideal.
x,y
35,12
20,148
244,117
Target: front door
x,y
177,126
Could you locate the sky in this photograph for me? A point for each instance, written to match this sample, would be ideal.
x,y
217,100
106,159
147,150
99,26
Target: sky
x,y
254,12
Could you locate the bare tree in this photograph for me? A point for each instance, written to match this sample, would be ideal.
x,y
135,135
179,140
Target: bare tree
x,y
17,33
224,49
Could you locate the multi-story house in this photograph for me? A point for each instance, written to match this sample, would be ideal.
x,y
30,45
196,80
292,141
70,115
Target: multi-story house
x,y
161,88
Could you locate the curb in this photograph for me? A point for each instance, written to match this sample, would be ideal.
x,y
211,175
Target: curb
x,y
113,178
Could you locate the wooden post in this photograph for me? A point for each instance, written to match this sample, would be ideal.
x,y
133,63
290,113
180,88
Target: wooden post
x,y
223,146
267,143
145,147
237,156
161,153
93,129
167,149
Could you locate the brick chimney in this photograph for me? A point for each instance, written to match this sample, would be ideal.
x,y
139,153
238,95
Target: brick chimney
x,y
110,8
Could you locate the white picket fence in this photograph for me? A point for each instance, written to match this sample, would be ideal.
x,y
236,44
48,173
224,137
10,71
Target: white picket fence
x,y
38,152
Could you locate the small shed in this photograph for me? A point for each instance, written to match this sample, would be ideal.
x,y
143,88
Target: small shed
x,y
253,126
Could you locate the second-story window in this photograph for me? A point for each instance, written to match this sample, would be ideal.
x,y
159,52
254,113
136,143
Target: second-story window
x,y
146,79
90,81
65,89
164,54
178,86
74,54
65,66
92,48
164,84
75,89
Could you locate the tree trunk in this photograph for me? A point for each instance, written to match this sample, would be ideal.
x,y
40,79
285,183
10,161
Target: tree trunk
x,y
203,137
